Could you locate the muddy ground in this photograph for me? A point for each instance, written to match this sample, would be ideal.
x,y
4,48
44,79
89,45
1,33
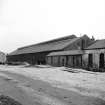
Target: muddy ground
x,y
29,91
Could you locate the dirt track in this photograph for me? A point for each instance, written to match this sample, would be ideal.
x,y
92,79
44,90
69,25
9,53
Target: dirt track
x,y
28,91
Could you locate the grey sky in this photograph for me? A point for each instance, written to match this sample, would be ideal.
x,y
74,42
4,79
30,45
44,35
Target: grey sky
x,y
24,22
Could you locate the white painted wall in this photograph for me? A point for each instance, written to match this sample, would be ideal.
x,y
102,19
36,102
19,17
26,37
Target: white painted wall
x,y
2,57
96,55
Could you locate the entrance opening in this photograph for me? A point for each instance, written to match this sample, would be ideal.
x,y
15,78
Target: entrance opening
x,y
101,61
90,60
63,63
78,61
73,57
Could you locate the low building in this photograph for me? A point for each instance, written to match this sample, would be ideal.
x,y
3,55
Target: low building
x,y
71,58
2,57
94,56
36,54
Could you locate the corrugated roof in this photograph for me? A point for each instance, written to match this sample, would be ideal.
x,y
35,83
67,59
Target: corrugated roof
x,y
53,46
97,45
71,52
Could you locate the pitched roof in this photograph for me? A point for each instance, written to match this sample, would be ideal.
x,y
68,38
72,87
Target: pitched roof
x,y
71,52
53,45
97,45
51,41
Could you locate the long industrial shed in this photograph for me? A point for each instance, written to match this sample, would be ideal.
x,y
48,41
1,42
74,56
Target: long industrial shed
x,y
37,53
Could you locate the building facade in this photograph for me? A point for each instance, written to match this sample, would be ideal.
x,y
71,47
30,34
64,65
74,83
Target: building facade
x,y
91,58
37,53
72,58
94,56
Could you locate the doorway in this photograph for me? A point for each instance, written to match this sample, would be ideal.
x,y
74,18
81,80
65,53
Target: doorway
x,y
63,61
90,60
101,60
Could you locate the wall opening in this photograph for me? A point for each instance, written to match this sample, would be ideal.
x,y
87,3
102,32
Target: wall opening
x,y
63,62
90,60
101,60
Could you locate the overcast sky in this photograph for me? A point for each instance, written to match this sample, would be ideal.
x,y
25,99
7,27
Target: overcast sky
x,y
25,22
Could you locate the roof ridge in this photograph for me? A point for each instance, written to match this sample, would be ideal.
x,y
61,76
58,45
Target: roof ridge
x,y
50,41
